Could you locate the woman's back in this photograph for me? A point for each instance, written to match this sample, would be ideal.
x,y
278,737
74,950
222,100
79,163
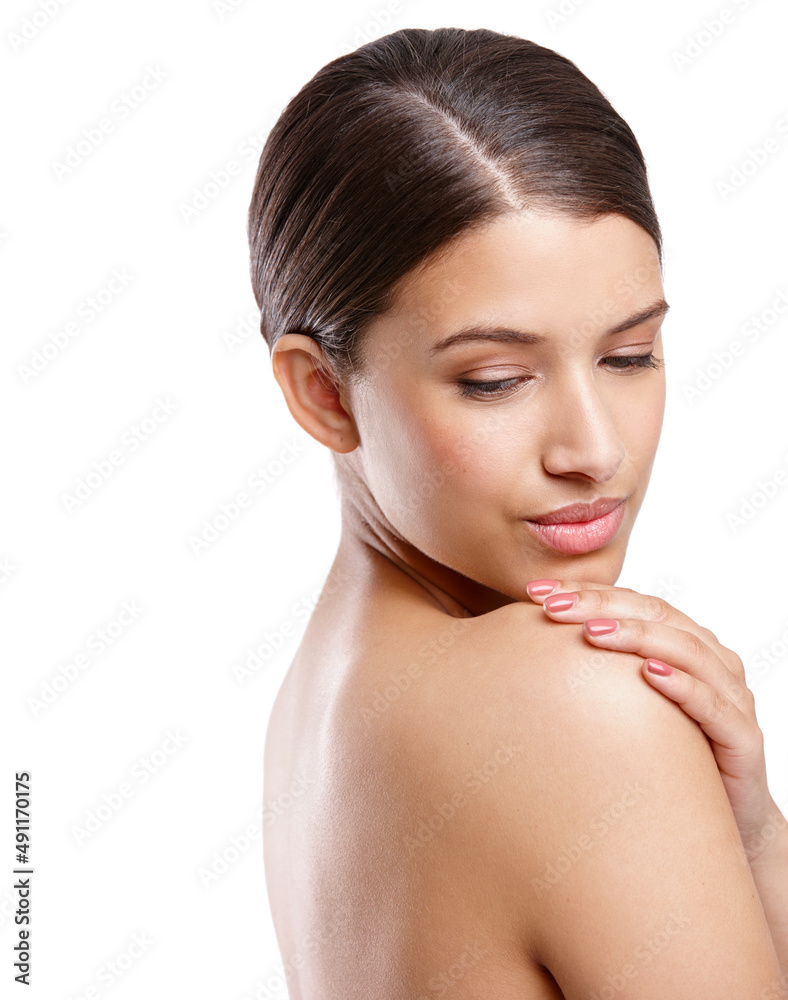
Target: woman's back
x,y
456,805
459,268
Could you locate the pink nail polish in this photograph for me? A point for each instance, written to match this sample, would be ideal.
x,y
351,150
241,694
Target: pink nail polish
x,y
560,602
601,626
539,588
659,668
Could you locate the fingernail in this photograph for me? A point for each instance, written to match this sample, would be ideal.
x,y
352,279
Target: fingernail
x,y
539,588
560,602
601,626
658,667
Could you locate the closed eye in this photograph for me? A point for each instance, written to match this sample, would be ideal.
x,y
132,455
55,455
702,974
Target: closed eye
x,y
470,388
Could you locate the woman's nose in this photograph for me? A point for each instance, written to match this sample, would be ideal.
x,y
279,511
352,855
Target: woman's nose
x,y
579,435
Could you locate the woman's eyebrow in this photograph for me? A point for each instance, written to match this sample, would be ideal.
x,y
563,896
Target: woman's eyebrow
x,y
504,335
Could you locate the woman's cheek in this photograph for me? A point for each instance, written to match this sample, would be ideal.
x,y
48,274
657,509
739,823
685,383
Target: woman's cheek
x,y
643,423
476,465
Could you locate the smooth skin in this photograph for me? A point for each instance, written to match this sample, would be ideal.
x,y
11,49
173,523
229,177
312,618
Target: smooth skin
x,y
639,802
707,680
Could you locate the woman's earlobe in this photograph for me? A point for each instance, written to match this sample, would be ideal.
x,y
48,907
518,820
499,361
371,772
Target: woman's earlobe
x,y
313,393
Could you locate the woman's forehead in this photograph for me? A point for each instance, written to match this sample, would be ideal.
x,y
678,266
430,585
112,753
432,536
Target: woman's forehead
x,y
549,271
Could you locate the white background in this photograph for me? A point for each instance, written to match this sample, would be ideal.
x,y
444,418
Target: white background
x,y
223,72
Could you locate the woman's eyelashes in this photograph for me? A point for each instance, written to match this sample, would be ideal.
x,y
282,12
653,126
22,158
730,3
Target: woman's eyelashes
x,y
472,388
638,361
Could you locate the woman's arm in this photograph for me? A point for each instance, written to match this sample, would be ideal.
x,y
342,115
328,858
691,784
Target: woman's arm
x,y
707,680
631,876
769,866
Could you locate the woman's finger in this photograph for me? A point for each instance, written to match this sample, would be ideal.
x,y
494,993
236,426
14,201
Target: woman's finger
x,y
674,646
688,665
720,717
577,601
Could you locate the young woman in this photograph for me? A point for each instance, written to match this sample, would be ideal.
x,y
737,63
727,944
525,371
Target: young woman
x,y
481,790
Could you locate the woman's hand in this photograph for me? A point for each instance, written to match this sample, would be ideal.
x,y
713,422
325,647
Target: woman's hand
x,y
686,663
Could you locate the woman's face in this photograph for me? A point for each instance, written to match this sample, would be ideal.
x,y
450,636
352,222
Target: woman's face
x,y
458,470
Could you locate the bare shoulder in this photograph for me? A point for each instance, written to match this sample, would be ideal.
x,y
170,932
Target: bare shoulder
x,y
590,804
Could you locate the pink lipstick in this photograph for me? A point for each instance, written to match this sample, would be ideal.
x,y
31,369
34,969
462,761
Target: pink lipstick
x,y
580,527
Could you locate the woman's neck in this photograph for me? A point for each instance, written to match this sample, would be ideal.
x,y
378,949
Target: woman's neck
x,y
367,535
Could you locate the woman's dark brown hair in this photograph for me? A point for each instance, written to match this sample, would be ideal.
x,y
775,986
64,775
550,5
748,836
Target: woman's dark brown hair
x,y
394,150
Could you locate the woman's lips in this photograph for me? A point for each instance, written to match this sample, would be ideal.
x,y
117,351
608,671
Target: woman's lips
x,y
577,537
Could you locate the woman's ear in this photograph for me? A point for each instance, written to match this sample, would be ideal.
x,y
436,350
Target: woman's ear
x,y
313,393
